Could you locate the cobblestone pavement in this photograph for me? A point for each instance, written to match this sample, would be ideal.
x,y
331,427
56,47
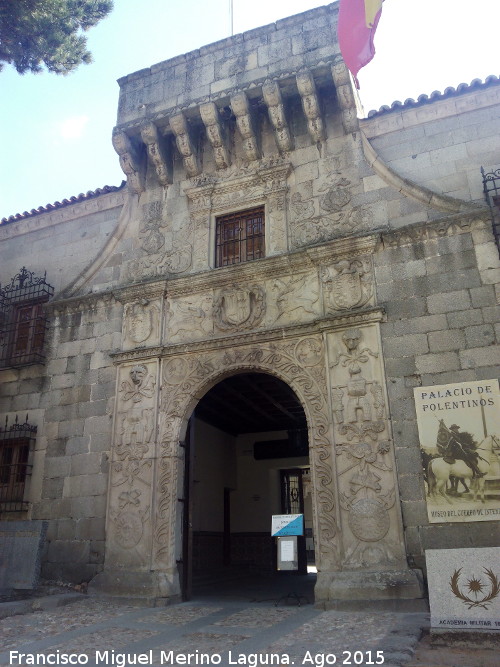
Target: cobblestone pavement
x,y
226,632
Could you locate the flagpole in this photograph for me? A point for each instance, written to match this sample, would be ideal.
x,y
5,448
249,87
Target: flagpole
x,y
231,16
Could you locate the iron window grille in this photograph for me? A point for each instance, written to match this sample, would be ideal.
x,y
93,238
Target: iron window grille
x,y
22,320
491,188
240,237
17,443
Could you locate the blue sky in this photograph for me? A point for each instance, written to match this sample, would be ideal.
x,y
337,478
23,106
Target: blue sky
x,y
55,132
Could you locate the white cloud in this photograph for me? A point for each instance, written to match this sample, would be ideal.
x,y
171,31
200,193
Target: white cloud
x,y
73,127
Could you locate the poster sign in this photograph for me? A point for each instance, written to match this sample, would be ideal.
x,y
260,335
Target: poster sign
x,y
287,524
288,558
464,588
459,431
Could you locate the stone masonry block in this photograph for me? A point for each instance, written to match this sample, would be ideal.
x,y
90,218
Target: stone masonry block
x,y
93,408
406,308
90,529
491,314
448,302
422,324
86,464
57,466
403,409
78,444
480,336
442,341
93,506
85,486
52,488
71,428
480,356
98,425
411,487
437,363
400,367
450,377
68,551
408,461
464,318
405,346
414,512
483,296
450,262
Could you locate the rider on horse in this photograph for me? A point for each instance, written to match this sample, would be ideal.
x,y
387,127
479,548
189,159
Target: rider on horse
x,y
457,445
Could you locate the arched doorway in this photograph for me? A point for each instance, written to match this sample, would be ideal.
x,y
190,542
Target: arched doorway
x,y
247,458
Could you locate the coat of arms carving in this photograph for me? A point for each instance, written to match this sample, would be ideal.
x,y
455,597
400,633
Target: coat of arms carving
x,y
239,307
348,284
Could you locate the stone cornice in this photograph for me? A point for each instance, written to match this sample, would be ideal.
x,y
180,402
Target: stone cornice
x,y
331,323
454,224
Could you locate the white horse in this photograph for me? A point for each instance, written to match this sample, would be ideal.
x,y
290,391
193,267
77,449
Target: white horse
x,y
439,472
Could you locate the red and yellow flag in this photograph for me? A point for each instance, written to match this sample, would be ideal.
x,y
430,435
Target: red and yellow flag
x,y
358,21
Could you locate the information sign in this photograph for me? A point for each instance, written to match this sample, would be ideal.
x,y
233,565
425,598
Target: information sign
x,y
287,524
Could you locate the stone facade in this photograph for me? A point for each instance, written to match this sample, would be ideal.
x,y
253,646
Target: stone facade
x,y
380,274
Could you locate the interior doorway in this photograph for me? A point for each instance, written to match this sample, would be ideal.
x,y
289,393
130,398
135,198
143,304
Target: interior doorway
x,y
247,458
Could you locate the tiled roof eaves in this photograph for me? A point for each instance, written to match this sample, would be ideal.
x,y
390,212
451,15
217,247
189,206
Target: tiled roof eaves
x,y
462,88
91,194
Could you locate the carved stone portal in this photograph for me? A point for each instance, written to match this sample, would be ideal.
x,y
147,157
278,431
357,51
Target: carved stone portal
x,y
338,378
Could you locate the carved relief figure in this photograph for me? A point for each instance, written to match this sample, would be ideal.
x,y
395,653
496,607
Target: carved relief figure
x,y
189,317
239,308
348,284
357,418
141,386
294,297
136,430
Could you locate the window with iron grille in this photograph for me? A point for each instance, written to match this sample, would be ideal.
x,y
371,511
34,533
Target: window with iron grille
x,y
17,443
22,320
240,237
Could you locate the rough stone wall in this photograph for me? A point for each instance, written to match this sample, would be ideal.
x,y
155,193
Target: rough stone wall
x,y
442,327
70,399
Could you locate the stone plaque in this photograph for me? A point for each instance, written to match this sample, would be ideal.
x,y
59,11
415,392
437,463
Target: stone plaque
x,y
459,430
21,544
464,588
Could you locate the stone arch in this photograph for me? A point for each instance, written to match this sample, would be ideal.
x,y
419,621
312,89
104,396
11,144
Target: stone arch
x,y
186,378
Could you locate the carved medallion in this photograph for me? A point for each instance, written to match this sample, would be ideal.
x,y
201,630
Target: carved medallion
x,y
369,520
348,284
174,371
239,308
309,351
129,529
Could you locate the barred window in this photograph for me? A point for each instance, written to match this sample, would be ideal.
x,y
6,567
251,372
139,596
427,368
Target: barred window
x,y
240,237
22,320
17,443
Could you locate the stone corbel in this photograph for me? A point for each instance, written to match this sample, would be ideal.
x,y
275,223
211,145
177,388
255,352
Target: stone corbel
x,y
157,153
185,144
345,96
131,162
244,120
310,104
274,101
216,134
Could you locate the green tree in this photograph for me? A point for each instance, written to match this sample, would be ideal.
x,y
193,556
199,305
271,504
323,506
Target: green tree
x,y
34,33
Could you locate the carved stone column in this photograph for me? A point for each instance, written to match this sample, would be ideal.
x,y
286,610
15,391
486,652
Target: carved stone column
x,y
129,529
372,551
